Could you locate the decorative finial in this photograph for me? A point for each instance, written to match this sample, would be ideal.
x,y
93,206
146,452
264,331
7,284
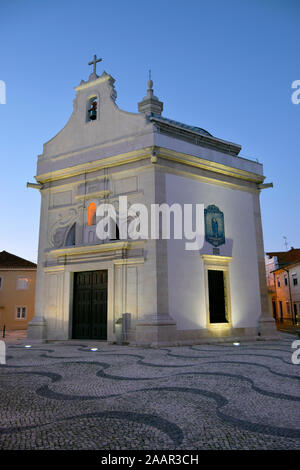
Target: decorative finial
x,y
150,104
150,83
94,62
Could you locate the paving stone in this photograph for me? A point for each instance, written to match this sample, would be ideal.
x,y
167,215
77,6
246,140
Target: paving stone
x,y
64,396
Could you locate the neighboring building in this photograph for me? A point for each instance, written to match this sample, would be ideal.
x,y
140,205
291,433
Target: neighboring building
x,y
283,279
172,296
17,290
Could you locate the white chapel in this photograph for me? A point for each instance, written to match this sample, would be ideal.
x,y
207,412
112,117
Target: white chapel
x,y
146,291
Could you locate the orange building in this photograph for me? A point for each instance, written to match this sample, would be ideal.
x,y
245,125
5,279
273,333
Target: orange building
x,y
17,291
283,279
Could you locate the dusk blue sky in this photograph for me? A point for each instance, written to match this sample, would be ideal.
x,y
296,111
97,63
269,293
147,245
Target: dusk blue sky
x,y
226,66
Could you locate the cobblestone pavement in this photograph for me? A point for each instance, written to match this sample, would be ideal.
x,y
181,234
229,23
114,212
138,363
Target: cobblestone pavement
x,y
65,396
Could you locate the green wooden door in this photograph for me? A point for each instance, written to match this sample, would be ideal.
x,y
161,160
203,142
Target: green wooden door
x,y
90,305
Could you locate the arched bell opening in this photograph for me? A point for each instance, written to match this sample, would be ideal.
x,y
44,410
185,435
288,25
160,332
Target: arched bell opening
x,y
92,109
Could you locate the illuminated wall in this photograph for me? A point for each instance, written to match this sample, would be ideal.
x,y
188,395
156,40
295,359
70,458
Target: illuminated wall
x,y
187,297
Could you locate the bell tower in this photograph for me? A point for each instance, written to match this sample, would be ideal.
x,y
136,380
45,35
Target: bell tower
x,y
150,104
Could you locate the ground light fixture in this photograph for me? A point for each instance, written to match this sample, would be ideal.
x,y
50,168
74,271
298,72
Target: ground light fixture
x,y
27,346
236,344
94,349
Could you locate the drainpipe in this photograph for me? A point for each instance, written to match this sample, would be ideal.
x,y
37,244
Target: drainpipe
x,y
276,301
291,302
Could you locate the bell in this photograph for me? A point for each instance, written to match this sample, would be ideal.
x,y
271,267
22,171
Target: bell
x,y
92,114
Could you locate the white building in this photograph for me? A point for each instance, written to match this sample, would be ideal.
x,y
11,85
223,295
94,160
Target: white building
x,y
173,296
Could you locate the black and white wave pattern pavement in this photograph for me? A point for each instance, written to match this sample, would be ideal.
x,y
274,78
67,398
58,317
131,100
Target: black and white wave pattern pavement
x,y
65,396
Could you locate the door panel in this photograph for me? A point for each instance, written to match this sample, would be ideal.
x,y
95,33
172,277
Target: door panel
x,y
90,305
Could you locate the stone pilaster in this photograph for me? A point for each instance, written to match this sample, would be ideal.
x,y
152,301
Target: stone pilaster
x,y
266,324
79,231
37,327
156,326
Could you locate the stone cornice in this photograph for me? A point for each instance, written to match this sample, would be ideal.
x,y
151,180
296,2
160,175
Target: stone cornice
x,y
90,249
216,260
128,261
90,167
145,153
208,165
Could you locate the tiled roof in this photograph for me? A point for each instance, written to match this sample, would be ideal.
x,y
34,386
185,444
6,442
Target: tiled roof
x,y
10,261
180,124
286,257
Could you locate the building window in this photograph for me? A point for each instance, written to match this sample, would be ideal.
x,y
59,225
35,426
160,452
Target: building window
x,y
21,313
1,282
92,214
295,310
22,283
285,281
288,308
295,281
278,282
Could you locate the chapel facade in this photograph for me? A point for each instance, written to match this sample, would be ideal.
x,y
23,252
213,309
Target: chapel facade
x,y
153,290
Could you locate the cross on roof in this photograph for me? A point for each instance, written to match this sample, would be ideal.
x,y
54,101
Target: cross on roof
x,y
94,62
